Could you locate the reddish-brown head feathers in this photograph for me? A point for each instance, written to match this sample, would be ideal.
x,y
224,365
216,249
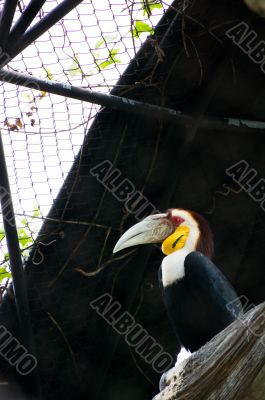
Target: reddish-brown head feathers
x,y
205,241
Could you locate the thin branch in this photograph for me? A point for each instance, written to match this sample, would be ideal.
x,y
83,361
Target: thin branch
x,y
104,265
65,340
65,221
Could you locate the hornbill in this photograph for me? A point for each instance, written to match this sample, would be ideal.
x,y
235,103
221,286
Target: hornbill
x,y
199,300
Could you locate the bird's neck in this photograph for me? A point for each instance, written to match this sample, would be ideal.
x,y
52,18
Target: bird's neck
x,y
173,267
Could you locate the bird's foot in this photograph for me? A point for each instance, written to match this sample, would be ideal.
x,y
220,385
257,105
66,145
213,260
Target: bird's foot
x,y
171,375
167,378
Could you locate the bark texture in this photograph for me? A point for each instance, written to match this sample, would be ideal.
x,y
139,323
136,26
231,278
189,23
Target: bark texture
x,y
229,367
258,6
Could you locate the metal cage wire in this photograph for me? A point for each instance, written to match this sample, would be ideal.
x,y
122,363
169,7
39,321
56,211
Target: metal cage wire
x,y
42,133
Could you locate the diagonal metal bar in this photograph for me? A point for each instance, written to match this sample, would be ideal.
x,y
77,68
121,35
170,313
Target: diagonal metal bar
x,y
16,266
132,106
24,21
6,19
14,250
41,27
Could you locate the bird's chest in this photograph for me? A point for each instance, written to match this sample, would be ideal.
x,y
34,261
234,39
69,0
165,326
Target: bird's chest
x,y
173,269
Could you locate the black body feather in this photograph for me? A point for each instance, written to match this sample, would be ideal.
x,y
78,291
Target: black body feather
x,y
201,304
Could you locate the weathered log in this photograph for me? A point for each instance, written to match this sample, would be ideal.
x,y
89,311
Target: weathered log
x,y
231,366
258,6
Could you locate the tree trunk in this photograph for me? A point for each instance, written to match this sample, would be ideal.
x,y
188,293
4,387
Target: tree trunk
x,y
257,6
231,366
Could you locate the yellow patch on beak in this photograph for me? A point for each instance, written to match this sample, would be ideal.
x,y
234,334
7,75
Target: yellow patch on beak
x,y
175,241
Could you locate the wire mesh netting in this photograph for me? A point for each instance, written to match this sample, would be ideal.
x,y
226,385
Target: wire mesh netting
x,y
42,133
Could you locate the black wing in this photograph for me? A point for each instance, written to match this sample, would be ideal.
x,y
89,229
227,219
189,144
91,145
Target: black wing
x,y
204,277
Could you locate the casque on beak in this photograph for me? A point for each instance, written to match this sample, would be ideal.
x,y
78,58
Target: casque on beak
x,y
153,229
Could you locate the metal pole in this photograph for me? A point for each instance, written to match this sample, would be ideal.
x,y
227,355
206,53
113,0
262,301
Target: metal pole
x,y
19,283
18,277
129,105
24,21
7,15
42,26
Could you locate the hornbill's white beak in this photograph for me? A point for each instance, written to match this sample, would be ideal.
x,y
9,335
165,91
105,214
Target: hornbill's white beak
x,y
153,229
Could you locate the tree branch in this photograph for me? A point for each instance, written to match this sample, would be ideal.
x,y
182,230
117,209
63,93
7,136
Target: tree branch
x,y
231,366
258,6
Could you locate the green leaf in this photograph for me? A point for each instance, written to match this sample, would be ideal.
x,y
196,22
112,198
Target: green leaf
x,y
141,27
104,64
113,54
48,73
100,46
74,68
100,43
23,222
149,5
25,241
112,59
105,40
4,274
24,237
36,211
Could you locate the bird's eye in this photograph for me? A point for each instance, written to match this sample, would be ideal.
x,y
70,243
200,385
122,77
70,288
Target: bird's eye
x,y
177,220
